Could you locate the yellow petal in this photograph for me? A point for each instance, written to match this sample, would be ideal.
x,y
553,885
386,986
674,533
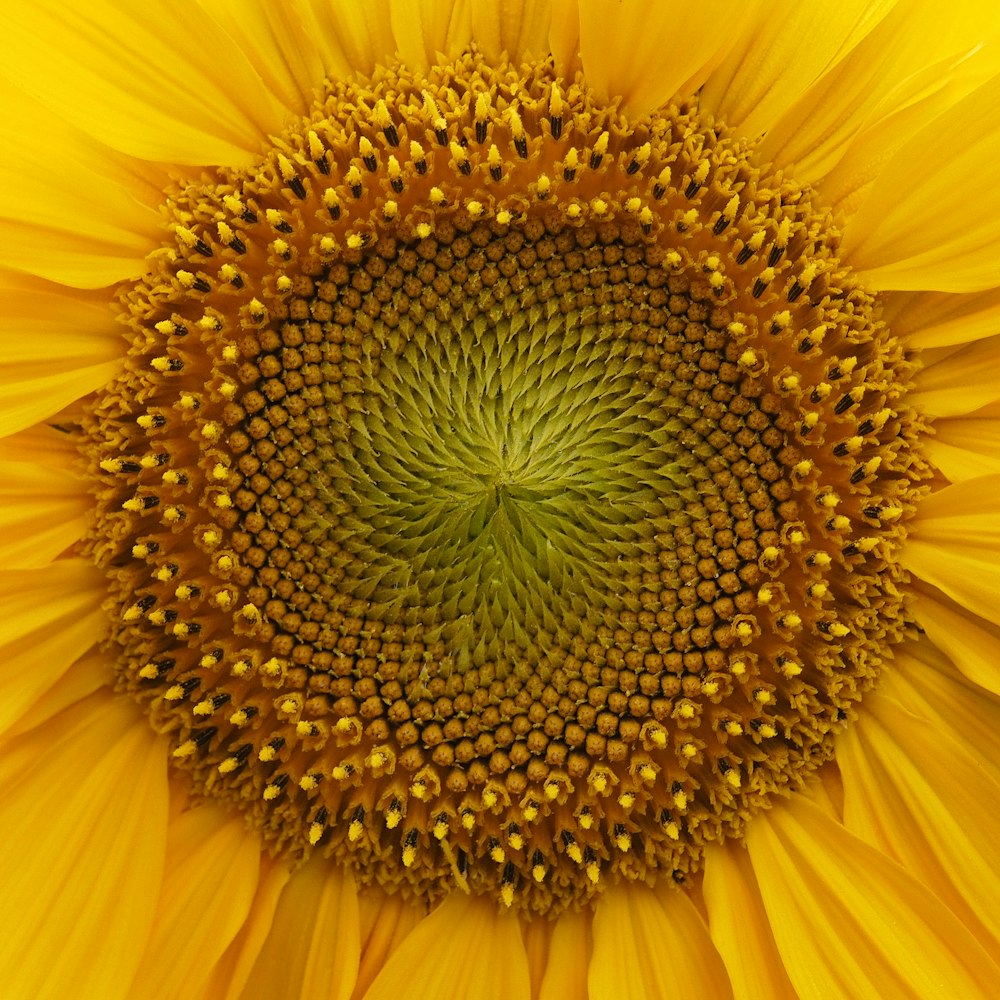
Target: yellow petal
x,y
777,57
161,82
944,696
956,381
518,27
739,927
937,319
42,512
56,345
348,36
851,923
570,948
564,37
212,869
905,54
84,813
233,970
653,944
954,544
423,28
465,949
314,944
911,790
931,220
972,644
72,210
966,447
386,920
50,616
651,52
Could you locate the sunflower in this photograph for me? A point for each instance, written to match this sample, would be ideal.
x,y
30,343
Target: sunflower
x,y
500,500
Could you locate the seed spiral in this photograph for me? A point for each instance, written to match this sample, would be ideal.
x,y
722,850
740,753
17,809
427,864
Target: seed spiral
x,y
499,494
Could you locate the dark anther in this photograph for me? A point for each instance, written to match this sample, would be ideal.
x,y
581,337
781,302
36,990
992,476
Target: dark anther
x,y
442,136
568,174
844,404
238,245
242,752
774,256
659,191
873,512
632,168
795,291
202,736
850,549
692,189
284,227
721,224
203,248
397,184
370,162
537,858
462,860
249,216
465,168
323,165
509,874
841,449
391,135
356,190
521,145
420,166
201,285
857,475
557,123
496,171
758,288
481,132
595,160
298,188
805,345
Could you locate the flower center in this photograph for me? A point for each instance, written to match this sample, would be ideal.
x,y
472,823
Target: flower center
x,y
499,494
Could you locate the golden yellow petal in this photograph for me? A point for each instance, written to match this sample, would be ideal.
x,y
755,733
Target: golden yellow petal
x,y
650,944
954,544
911,790
851,923
967,447
943,695
212,868
564,37
954,381
71,209
907,54
648,53
83,810
314,944
937,319
385,922
423,28
466,949
778,56
739,927
43,511
160,82
49,617
971,643
931,219
232,971
570,947
519,28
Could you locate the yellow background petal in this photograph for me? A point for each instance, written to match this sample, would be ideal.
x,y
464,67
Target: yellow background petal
x,y
776,57
314,944
956,381
571,944
49,617
518,27
83,809
466,949
386,920
850,923
650,944
160,82
424,28
931,219
211,876
913,791
954,544
739,927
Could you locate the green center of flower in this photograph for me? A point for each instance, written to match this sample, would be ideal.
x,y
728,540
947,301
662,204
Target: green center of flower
x,y
499,495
